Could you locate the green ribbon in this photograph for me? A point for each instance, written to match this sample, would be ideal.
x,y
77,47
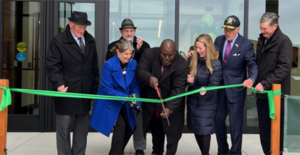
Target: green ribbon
x,y
6,97
271,95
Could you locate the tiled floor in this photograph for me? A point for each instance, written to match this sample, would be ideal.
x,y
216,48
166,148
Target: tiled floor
x,y
44,144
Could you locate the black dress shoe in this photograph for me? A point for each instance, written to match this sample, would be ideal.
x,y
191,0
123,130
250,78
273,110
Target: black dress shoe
x,y
139,152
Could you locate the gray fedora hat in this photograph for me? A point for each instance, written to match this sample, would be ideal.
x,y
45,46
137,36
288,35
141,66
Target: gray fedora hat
x,y
79,18
127,23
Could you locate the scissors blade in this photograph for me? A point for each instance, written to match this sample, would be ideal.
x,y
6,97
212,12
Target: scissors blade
x,y
162,104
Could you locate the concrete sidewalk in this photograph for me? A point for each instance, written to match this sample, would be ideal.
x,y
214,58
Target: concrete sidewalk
x,y
45,144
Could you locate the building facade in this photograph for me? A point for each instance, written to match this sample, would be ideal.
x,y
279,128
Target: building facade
x,y
27,28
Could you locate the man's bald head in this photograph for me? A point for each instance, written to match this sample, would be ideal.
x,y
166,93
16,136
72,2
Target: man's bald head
x,y
167,51
168,43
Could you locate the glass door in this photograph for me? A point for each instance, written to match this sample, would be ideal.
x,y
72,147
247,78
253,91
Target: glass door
x,y
20,60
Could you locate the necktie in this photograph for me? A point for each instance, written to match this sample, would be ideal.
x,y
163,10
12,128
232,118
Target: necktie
x,y
266,40
81,45
227,51
156,109
163,69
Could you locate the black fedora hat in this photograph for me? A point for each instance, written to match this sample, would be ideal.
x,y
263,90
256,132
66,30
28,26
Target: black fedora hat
x,y
79,18
127,23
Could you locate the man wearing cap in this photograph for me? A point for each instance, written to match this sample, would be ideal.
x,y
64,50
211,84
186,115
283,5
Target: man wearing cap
x,y
236,54
274,59
127,31
72,66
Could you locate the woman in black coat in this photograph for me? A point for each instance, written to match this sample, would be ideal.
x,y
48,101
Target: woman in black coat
x,y
205,70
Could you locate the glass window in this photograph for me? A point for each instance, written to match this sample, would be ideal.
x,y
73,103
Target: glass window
x,y
66,9
21,49
289,21
292,124
202,16
155,20
256,10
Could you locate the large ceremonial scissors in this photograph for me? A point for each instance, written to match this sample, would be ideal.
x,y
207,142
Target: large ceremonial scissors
x,y
162,103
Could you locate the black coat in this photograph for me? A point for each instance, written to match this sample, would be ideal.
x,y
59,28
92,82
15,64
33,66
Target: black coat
x,y
201,109
66,65
172,82
274,62
137,54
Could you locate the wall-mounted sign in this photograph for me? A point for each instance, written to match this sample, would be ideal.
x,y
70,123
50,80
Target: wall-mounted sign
x,y
21,56
21,46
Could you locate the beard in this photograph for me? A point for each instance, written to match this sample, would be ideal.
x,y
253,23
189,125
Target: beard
x,y
129,38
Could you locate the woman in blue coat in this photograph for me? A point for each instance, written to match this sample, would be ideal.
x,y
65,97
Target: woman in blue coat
x,y
118,79
205,71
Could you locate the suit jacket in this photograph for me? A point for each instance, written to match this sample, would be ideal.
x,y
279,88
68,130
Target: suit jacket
x,y
172,82
235,70
113,83
67,65
137,54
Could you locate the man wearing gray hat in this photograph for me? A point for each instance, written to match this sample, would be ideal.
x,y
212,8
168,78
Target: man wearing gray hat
x,y
72,66
127,31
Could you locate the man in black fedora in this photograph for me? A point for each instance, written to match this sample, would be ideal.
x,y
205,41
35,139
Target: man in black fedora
x,y
72,66
127,31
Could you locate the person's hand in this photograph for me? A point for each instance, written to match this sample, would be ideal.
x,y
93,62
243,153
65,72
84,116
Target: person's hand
x,y
259,87
139,42
191,52
153,81
190,78
202,92
248,83
62,88
133,105
168,112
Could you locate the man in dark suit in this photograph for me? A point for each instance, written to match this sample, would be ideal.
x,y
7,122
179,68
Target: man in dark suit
x,y
164,67
72,66
236,55
274,59
127,31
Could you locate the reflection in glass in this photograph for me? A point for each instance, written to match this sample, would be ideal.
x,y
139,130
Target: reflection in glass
x,y
66,9
256,10
292,124
22,24
155,21
202,16
289,22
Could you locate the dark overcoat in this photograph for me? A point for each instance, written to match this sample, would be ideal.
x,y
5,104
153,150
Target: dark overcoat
x,y
172,82
201,110
67,65
274,62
